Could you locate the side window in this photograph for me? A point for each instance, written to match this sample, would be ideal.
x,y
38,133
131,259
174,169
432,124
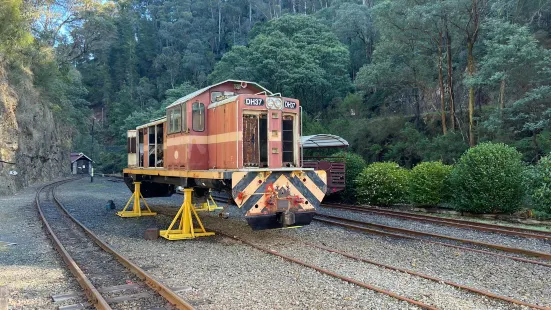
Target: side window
x,y
174,120
215,95
198,116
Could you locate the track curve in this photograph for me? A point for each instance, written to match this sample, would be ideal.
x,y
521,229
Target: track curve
x,y
51,212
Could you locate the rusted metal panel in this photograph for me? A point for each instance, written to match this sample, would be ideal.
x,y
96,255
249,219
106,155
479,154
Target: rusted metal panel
x,y
265,193
251,150
212,130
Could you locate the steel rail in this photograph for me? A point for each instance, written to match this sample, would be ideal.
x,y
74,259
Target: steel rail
x,y
411,272
90,290
330,273
419,233
152,282
428,277
385,233
516,231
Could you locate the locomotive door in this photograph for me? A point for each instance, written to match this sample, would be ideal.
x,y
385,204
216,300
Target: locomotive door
x,y
251,148
255,137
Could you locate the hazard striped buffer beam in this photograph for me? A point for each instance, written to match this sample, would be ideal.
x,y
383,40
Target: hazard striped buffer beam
x,y
278,199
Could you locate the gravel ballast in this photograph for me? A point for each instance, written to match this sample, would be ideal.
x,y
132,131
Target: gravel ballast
x,y
221,273
31,269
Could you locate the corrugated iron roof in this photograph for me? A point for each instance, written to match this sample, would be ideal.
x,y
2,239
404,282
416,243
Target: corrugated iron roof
x,y
322,140
77,156
202,90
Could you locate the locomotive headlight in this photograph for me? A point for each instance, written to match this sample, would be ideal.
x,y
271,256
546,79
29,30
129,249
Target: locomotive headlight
x,y
274,103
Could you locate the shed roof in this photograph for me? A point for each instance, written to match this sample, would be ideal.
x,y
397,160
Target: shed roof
x,y
322,140
202,90
77,156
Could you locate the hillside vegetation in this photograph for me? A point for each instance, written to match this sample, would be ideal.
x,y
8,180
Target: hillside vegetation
x,y
403,81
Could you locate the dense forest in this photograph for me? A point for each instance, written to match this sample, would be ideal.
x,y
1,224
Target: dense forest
x,y
402,80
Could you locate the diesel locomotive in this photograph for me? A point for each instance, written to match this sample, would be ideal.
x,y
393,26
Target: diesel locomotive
x,y
234,136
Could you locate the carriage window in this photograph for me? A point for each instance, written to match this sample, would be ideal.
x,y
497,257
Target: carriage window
x,y
198,116
174,120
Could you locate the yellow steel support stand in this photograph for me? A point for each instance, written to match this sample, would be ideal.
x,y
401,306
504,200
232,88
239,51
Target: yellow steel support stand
x,y
136,207
210,205
185,227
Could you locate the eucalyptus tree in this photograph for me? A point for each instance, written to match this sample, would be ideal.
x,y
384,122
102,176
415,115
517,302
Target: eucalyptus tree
x,y
295,55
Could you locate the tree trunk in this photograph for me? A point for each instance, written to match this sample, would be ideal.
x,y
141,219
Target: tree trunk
x,y
470,71
441,84
536,145
450,79
219,25
417,95
502,95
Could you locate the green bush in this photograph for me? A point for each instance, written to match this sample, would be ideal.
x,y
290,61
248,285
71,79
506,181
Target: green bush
x,y
428,183
488,179
354,166
382,184
541,181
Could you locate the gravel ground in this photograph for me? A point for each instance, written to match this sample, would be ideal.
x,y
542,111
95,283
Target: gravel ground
x,y
226,274
31,269
218,272
532,244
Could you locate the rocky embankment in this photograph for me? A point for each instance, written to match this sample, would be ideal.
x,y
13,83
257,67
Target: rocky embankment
x,y
31,148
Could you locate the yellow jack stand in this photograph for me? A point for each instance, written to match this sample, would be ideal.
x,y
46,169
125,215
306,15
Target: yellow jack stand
x,y
209,206
185,227
136,208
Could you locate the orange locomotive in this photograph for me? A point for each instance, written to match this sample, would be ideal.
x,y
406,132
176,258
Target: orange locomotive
x,y
234,136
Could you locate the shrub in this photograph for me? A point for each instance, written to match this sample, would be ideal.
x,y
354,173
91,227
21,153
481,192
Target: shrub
x,y
354,166
488,178
541,182
382,184
428,182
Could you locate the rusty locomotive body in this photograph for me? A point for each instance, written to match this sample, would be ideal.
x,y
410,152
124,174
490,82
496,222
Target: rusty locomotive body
x,y
234,136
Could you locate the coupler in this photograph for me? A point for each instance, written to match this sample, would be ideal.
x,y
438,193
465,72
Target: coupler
x,y
185,215
136,207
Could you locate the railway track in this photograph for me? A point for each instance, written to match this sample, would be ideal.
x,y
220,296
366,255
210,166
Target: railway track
x,y
385,266
403,233
470,289
508,230
406,234
330,273
107,278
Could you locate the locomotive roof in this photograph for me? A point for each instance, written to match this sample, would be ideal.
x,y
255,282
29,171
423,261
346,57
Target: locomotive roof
x,y
202,90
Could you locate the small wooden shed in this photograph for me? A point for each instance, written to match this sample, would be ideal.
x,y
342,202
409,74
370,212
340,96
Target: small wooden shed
x,y
81,164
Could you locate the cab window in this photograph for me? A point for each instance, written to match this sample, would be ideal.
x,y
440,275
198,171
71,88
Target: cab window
x,y
198,116
175,120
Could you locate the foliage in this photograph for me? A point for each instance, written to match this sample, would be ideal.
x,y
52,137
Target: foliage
x,y
127,60
446,148
487,179
428,183
294,55
541,194
14,33
383,183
